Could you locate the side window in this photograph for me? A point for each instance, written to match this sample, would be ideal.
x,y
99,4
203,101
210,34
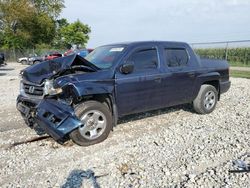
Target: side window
x,y
145,59
176,57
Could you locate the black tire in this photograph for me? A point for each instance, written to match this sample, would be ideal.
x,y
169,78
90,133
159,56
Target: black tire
x,y
201,104
24,62
80,111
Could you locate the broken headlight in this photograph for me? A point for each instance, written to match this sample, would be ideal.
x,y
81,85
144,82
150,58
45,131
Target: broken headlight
x,y
49,88
22,92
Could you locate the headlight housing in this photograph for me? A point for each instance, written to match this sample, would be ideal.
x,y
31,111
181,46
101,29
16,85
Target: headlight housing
x,y
21,89
49,88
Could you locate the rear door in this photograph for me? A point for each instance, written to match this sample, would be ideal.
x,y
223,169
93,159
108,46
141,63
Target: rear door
x,y
139,90
178,85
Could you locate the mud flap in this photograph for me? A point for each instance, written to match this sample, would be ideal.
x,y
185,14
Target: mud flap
x,y
56,118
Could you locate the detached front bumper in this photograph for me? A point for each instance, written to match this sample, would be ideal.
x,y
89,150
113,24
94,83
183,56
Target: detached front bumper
x,y
56,118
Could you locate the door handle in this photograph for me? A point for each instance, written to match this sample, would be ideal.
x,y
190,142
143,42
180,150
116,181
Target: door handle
x,y
191,74
157,79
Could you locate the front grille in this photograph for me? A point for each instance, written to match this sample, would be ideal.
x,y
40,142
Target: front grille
x,y
33,89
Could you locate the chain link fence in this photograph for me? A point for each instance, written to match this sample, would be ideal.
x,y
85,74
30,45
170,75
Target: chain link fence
x,y
14,55
236,52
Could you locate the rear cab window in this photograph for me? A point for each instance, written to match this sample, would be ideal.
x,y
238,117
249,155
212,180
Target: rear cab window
x,y
176,57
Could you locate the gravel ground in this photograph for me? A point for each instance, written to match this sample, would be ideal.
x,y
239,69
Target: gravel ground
x,y
172,147
9,84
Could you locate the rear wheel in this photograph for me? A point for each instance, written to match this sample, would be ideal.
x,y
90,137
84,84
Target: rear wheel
x,y
206,100
96,121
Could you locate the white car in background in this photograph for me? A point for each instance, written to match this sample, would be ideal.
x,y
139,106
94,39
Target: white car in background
x,y
23,60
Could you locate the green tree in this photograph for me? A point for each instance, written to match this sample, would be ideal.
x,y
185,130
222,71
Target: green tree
x,y
62,23
13,14
52,8
75,33
27,23
58,42
43,29
1,39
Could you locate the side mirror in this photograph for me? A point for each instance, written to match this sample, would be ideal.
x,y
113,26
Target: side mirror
x,y
127,68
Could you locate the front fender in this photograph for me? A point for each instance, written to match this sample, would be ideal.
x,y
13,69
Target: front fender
x,y
90,88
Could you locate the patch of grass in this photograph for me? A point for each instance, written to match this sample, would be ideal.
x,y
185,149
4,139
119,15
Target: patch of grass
x,y
240,74
238,64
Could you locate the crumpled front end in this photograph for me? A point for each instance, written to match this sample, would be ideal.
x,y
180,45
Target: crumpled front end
x,y
56,118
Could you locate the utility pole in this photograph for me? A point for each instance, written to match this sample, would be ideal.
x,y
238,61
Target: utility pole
x,y
226,50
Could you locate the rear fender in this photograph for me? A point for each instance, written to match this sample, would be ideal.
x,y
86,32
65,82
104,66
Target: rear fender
x,y
206,77
209,76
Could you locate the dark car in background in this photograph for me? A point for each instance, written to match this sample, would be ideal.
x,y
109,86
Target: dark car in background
x,y
2,59
27,59
82,98
35,59
31,59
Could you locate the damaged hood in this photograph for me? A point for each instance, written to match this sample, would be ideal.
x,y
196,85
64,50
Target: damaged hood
x,y
47,69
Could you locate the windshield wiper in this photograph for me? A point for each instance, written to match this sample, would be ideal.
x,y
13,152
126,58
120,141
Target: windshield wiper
x,y
83,67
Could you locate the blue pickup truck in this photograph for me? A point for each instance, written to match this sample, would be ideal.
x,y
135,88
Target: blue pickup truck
x,y
81,99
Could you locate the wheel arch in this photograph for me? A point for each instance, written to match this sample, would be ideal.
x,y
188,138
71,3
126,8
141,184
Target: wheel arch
x,y
213,79
105,98
216,84
100,91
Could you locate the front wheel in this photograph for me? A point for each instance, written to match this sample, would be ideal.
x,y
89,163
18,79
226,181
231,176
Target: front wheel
x,y
206,99
96,121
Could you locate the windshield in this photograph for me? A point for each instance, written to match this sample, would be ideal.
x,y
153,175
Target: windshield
x,y
105,56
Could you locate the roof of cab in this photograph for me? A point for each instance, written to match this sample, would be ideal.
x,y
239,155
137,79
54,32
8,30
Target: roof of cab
x,y
135,43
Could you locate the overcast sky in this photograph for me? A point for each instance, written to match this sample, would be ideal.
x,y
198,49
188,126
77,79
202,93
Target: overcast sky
x,y
183,20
